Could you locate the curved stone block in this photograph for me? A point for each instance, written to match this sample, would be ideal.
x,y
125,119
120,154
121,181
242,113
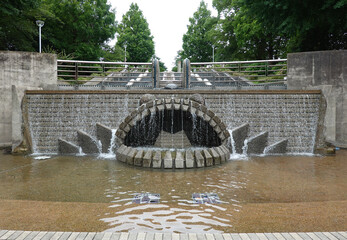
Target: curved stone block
x,y
160,107
130,156
221,154
120,134
179,161
168,100
208,158
239,135
200,114
138,158
207,118
147,159
65,147
121,153
189,159
145,113
87,143
200,160
277,148
157,159
216,156
147,98
197,98
104,135
257,144
226,152
168,160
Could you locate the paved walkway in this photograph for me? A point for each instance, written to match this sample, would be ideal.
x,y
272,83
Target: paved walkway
x,y
34,235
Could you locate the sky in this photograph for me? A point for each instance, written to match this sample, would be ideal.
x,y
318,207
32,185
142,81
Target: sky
x,y
167,20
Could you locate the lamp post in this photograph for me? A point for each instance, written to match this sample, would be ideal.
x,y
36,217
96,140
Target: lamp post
x,y
40,24
212,53
125,52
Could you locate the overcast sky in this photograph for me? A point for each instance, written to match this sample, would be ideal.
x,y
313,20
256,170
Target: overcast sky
x,y
167,20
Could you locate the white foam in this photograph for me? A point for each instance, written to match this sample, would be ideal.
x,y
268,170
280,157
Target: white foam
x,y
42,157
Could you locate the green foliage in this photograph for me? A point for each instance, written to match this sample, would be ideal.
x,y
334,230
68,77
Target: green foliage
x,y
196,45
113,54
306,25
18,29
134,32
72,28
79,27
258,29
60,55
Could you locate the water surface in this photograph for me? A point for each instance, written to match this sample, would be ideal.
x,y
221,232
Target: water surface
x,y
272,193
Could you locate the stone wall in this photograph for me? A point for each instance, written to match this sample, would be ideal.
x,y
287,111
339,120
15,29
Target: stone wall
x,y
292,115
327,71
20,71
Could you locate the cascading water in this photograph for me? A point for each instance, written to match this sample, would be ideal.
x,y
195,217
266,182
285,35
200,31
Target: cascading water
x,y
51,117
110,154
284,116
234,155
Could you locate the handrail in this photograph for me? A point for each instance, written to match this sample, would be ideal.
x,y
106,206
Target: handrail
x,y
78,72
239,73
195,74
102,62
239,62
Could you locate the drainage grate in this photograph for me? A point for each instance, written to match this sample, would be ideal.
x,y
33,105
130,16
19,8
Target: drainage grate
x,y
206,198
146,198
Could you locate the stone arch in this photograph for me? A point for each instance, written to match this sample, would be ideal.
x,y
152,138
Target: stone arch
x,y
194,108
213,152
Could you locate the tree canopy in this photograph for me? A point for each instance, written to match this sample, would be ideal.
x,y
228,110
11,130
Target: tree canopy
x,y
258,29
196,44
80,28
17,24
134,33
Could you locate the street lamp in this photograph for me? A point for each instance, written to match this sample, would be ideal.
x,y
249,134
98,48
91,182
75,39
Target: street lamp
x,y
212,53
40,24
125,52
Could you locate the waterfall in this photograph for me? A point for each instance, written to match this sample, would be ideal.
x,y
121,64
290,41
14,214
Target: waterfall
x,y
110,154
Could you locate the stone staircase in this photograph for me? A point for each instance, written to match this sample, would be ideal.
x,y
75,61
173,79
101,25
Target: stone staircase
x,y
170,78
169,140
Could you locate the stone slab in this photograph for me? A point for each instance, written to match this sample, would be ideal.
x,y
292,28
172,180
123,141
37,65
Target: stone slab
x,y
66,147
257,144
87,143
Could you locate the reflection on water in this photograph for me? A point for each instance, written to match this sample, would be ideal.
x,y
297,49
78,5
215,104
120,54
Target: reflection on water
x,y
270,179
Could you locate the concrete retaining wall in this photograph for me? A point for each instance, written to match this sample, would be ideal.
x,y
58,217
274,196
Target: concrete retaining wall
x,y
292,115
20,71
327,71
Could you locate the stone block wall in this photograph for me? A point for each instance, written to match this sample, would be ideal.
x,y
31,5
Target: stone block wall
x,y
326,71
20,71
292,115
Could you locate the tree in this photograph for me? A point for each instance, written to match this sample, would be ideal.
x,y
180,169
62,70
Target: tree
x,y
113,54
308,25
240,36
79,27
222,33
196,45
134,32
17,24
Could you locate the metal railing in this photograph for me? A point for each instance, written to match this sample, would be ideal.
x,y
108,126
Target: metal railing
x,y
239,74
259,72
71,72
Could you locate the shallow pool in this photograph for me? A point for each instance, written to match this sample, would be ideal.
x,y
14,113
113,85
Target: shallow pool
x,y
257,194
